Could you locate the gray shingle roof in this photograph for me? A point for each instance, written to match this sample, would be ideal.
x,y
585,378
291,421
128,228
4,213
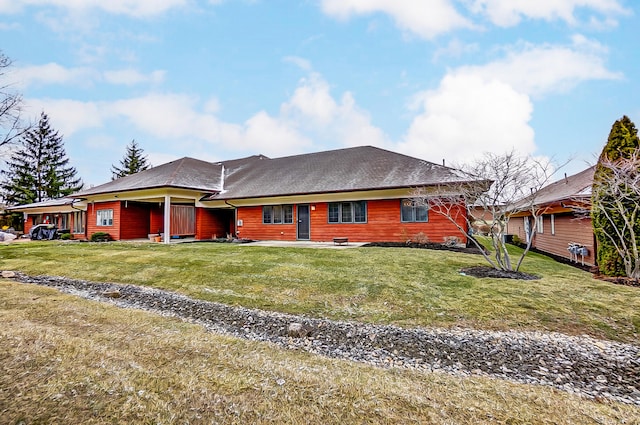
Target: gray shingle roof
x,y
44,204
188,173
575,186
350,169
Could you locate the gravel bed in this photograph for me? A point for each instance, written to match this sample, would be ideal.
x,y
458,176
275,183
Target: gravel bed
x,y
580,365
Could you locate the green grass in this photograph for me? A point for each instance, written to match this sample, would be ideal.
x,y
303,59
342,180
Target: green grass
x,y
66,360
406,287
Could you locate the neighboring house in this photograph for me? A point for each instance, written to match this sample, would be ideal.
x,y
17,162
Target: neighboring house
x,y
65,213
563,220
362,193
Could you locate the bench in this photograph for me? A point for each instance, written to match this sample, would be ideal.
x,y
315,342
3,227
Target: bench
x,y
340,241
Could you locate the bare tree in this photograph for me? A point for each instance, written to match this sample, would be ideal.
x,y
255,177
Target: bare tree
x,y
616,202
503,184
10,106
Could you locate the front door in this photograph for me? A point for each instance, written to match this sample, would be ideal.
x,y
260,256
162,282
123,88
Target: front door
x,y
303,222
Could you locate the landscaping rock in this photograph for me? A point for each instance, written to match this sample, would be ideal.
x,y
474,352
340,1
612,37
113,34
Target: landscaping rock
x,y
298,330
8,274
580,365
111,294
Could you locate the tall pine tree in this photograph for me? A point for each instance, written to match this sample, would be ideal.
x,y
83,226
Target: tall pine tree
x,y
39,170
615,201
133,162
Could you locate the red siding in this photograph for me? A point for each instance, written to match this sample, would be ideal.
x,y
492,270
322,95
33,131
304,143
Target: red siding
x,y
252,227
156,219
568,229
383,224
27,225
213,223
134,221
92,227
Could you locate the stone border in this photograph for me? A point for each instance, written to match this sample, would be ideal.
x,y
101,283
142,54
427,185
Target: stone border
x,y
580,365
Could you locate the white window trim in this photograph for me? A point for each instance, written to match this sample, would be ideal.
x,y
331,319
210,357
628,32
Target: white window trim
x,y
540,224
552,217
109,217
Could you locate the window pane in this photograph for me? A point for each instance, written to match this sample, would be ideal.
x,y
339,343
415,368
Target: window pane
x,y
104,218
360,212
422,213
267,215
406,210
347,216
277,214
334,213
288,213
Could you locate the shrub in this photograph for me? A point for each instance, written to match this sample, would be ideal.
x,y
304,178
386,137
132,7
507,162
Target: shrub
x,y
100,237
66,236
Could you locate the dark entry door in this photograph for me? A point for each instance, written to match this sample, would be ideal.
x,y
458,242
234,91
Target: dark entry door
x,y
303,222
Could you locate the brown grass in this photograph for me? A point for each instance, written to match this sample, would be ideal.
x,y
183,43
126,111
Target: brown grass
x,y
69,360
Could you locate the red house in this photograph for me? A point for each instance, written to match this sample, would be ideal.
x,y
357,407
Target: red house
x,y
361,193
64,213
562,228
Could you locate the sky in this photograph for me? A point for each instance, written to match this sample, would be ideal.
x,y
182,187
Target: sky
x,y
224,79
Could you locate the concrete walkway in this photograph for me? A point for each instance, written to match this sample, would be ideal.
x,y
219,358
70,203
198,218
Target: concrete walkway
x,y
305,244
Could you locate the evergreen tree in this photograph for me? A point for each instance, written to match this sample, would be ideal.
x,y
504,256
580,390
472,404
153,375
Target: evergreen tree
x,y
133,162
616,201
40,169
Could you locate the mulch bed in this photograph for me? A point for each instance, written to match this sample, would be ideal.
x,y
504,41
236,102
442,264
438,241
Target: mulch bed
x,y
627,281
428,245
485,271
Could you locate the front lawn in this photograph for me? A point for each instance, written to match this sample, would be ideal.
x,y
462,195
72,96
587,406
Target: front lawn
x,y
69,360
406,287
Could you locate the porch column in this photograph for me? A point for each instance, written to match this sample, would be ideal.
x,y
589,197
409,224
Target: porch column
x,y
167,218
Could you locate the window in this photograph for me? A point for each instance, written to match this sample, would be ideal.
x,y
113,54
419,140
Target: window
x,y
540,224
277,214
64,221
411,212
348,212
105,217
78,222
553,224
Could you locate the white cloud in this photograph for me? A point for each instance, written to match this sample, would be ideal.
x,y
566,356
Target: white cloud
x,y
131,77
173,119
66,115
182,117
272,136
415,17
135,8
53,73
313,108
488,107
539,70
467,116
301,63
9,26
455,49
506,13
312,100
